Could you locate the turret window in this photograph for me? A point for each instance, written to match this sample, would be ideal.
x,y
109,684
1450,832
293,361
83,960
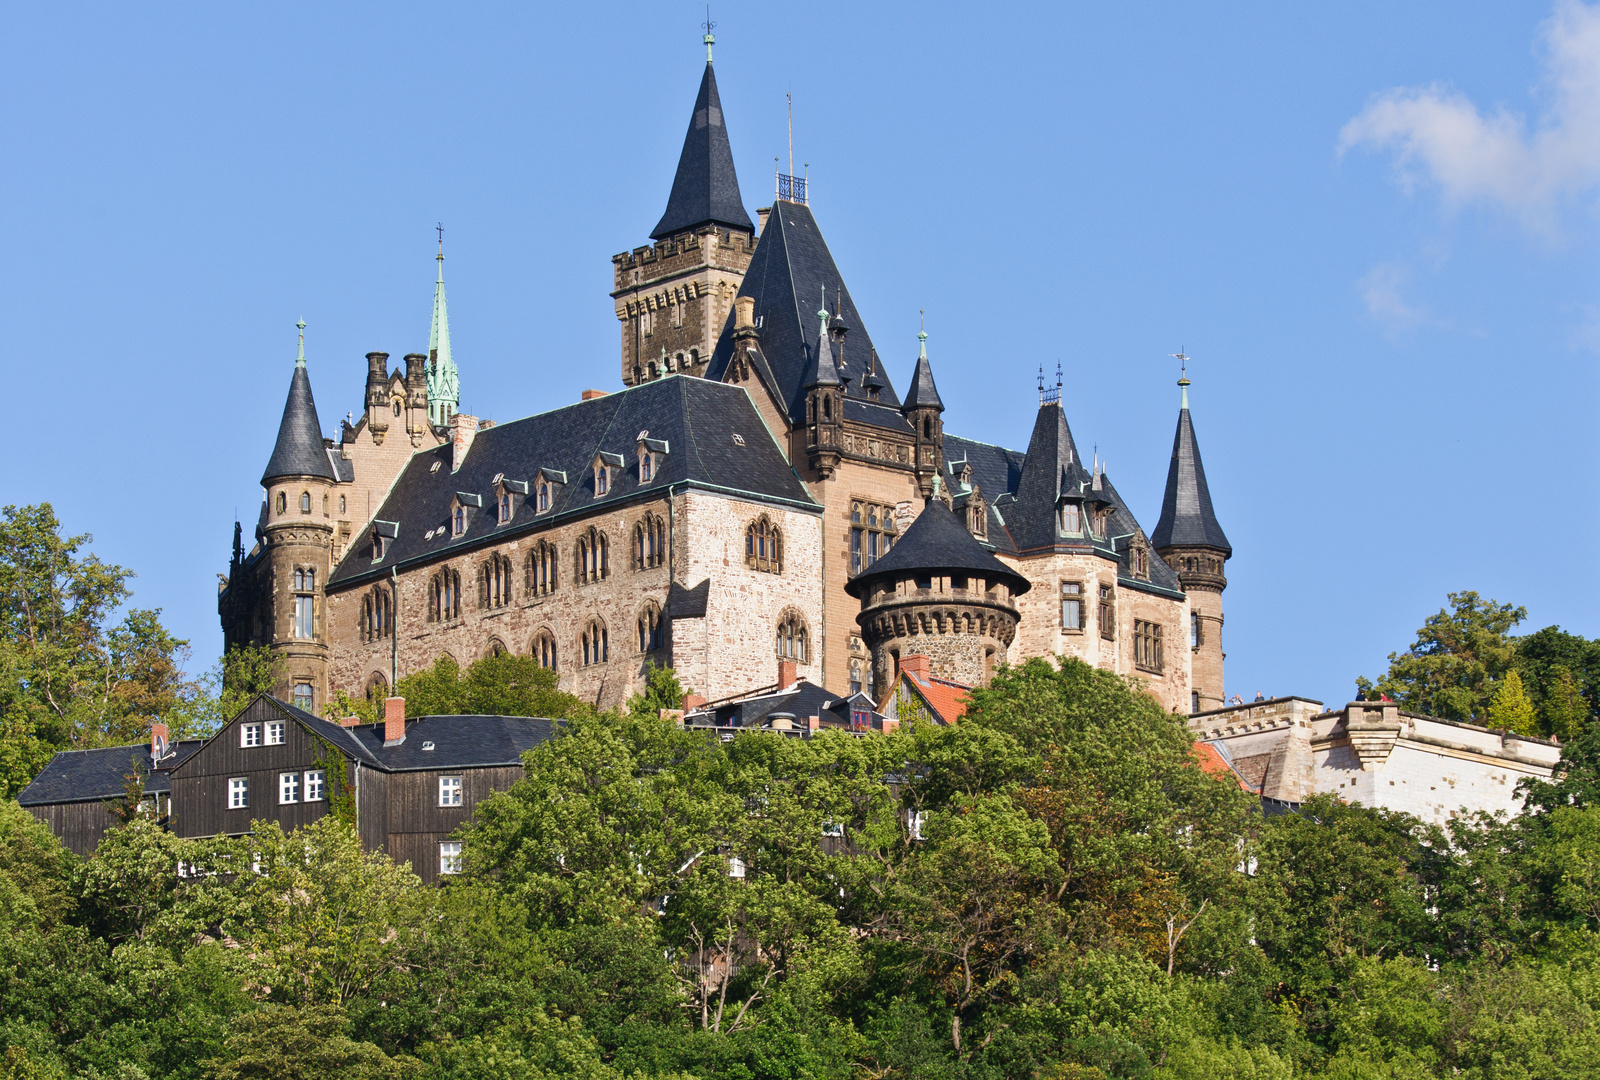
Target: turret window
x,y
305,583
1147,645
283,502
792,637
871,534
763,546
1072,606
650,628
1108,614
596,643
341,504
1196,631
649,542
304,698
1071,519
305,502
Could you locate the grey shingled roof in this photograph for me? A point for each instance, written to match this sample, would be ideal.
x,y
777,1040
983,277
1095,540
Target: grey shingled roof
x,y
299,450
1187,519
459,742
923,394
697,418
804,700
789,273
705,189
99,774
936,541
1052,467
1163,579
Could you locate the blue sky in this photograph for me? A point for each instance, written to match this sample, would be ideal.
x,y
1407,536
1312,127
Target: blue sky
x,y
1372,225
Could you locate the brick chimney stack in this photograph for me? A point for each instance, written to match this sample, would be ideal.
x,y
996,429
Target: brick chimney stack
x,y
788,674
394,718
919,668
462,430
158,740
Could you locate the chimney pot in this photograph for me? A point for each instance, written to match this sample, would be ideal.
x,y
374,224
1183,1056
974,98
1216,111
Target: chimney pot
x,y
590,395
394,721
744,312
693,702
349,721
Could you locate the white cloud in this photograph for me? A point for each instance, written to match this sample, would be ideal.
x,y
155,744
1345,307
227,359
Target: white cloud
x,y
1382,291
1439,135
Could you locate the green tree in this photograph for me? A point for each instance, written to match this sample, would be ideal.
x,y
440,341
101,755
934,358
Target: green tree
x,y
1450,671
496,685
1557,667
277,1042
662,690
1511,709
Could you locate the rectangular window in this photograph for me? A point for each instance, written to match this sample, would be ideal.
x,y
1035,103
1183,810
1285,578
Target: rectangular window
x,y
449,791
288,788
1147,645
238,793
249,734
871,534
450,857
1108,614
316,785
1194,701
1071,605
303,625
1195,633
303,698
275,733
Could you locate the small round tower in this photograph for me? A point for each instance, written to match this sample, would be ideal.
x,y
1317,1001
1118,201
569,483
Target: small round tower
x,y
939,594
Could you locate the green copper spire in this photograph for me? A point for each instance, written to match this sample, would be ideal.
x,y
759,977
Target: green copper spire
x,y
444,384
922,335
709,25
300,356
822,313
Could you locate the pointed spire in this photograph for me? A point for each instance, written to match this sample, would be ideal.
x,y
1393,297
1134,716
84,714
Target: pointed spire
x,y
922,394
705,189
822,371
444,381
1187,519
299,450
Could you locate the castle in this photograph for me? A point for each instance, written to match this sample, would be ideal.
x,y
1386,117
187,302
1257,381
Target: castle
x,y
736,506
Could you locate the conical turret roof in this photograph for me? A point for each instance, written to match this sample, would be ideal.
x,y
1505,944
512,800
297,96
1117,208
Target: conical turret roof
x,y
1051,469
922,394
1187,519
299,450
936,541
706,188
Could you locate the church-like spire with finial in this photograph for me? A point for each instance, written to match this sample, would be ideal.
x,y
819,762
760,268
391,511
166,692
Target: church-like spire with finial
x,y
922,394
1187,519
705,190
299,450
444,382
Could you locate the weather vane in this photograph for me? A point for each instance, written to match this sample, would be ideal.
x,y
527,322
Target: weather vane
x,y
1183,362
710,26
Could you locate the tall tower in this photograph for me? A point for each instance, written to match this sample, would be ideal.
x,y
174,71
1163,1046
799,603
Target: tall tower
x,y
673,298
444,385
297,535
922,409
1192,542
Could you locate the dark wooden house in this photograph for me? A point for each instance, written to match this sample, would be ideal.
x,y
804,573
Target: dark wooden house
x,y
74,794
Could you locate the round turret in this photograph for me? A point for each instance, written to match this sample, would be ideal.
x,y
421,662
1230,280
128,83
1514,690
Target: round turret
x,y
939,594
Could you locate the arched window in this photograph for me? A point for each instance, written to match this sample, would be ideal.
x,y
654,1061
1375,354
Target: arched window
x,y
542,569
494,582
505,507
594,561
341,504
763,546
377,687
444,596
305,502
650,628
496,648
596,643
544,496
855,677
376,618
544,649
792,637
458,522
283,502
649,542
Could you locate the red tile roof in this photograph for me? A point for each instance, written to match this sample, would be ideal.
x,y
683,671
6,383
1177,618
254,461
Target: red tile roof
x,y
945,699
1212,763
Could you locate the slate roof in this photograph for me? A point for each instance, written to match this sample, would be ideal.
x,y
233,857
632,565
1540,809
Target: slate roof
x,y
95,775
688,603
789,274
696,418
804,700
299,450
936,541
1051,468
459,742
705,189
1122,528
923,394
1187,519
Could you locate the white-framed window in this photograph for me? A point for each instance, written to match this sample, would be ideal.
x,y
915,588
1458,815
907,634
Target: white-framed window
x,y
450,857
304,699
449,791
833,828
238,793
917,820
1071,605
249,734
736,867
316,785
288,788
275,732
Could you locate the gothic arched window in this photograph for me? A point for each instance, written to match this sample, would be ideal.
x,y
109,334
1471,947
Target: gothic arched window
x,y
596,643
444,596
594,562
649,542
763,546
650,628
792,637
542,568
544,649
494,582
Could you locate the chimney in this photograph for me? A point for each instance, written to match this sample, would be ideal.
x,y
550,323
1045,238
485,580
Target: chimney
x,y
788,673
744,313
590,395
693,702
462,430
349,721
416,371
394,721
158,740
814,722
761,219
918,667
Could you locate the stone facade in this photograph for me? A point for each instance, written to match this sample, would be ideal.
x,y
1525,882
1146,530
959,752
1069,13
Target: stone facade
x,y
1376,754
672,298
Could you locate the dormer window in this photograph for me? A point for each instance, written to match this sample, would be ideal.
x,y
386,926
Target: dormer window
x,y
602,479
544,497
605,466
650,452
377,548
382,533
458,511
505,507
546,485
458,521
1139,560
1071,519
